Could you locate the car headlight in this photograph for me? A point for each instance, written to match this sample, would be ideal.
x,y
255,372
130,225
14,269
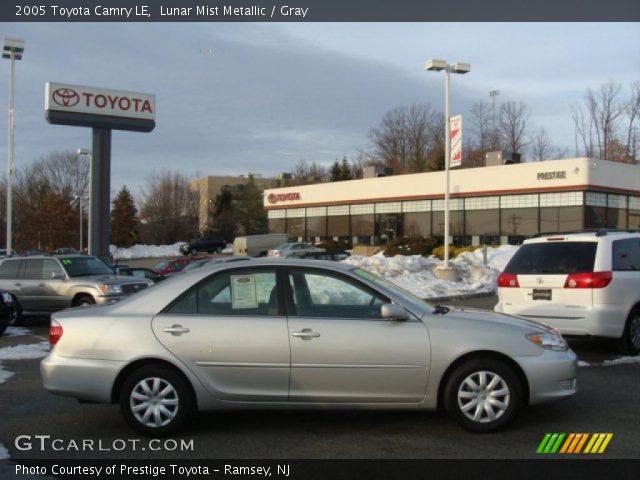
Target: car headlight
x,y
110,289
548,340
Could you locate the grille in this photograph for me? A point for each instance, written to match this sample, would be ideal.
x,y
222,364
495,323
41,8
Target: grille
x,y
129,288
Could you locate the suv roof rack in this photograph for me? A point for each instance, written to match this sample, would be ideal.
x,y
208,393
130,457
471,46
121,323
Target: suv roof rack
x,y
599,232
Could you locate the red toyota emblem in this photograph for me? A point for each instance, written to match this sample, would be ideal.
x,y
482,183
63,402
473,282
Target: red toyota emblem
x,y
272,198
65,97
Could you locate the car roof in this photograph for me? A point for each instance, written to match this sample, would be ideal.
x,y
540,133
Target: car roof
x,y
585,236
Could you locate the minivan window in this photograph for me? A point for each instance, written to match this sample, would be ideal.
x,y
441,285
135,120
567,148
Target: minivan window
x,y
626,254
553,258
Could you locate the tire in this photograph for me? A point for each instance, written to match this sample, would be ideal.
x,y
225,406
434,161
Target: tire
x,y
16,318
84,301
178,401
500,398
4,323
629,343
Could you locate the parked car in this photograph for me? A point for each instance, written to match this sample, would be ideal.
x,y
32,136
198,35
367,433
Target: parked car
x,y
65,251
174,265
257,245
293,249
209,244
140,272
280,333
585,284
3,253
45,284
336,256
7,311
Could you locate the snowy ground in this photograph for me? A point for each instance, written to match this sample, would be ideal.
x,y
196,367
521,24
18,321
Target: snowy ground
x,y
25,351
17,332
151,251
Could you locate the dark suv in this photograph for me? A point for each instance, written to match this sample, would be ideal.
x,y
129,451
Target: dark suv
x,y
209,244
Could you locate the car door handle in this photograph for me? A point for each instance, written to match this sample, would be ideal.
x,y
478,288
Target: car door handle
x,y
306,333
175,330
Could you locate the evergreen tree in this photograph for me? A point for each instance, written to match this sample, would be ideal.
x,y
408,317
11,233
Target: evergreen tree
x,y
222,215
124,219
249,209
335,174
345,170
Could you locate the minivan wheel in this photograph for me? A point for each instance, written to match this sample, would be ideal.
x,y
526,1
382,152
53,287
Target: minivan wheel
x,y
629,344
483,395
156,401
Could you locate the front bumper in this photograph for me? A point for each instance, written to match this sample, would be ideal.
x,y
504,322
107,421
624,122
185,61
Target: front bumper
x,y
551,376
81,378
108,299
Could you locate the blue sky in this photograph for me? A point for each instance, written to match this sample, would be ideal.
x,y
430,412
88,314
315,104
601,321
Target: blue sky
x,y
238,98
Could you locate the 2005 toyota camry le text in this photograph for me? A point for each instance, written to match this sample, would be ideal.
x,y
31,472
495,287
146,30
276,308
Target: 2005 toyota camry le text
x,y
282,333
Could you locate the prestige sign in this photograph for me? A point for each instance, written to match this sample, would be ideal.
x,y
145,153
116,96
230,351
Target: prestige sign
x,y
97,107
283,197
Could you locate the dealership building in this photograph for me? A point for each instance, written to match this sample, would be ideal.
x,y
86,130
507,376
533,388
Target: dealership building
x,y
488,205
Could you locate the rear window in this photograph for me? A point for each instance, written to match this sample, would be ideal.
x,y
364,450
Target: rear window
x,y
550,258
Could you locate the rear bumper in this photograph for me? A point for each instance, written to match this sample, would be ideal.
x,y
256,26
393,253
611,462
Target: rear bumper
x,y
551,376
79,377
600,321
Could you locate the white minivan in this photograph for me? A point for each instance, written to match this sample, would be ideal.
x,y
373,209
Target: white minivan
x,y
578,283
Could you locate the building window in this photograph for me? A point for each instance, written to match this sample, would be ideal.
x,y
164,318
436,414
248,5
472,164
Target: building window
x,y
482,222
518,201
316,227
561,199
454,204
482,203
362,225
389,207
416,206
361,209
277,225
596,199
519,222
295,227
595,217
634,219
388,226
335,210
338,226
456,223
561,219
417,224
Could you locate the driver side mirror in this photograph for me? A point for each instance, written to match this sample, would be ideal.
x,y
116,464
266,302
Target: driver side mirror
x,y
57,276
391,311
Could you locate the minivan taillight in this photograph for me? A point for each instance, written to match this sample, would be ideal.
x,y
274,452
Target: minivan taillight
x,y
508,280
588,280
55,332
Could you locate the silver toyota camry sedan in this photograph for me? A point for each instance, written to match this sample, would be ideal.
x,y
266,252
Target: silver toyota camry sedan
x,y
280,333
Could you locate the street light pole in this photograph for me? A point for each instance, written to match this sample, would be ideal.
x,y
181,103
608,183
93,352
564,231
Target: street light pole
x,y
438,65
12,49
83,151
493,94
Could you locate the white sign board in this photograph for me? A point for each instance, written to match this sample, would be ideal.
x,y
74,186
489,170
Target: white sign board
x,y
455,129
98,107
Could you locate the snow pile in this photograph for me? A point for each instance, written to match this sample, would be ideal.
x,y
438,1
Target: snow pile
x,y
24,352
4,453
145,251
582,363
416,273
17,332
4,374
622,361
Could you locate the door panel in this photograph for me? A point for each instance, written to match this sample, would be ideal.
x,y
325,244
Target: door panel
x,y
342,351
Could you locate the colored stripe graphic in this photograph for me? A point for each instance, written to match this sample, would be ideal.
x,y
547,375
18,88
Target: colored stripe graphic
x,y
574,443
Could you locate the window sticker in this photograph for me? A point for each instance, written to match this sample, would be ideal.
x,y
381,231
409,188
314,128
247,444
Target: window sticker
x,y
243,291
67,261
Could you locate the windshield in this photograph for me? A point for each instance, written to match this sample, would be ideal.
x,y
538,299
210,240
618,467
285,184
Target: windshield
x,y
84,266
160,266
393,289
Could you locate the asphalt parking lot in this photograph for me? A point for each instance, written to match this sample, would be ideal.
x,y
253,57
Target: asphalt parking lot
x,y
607,402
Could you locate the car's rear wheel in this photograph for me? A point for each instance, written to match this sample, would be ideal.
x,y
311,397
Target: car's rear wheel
x,y
156,401
629,344
483,394
84,301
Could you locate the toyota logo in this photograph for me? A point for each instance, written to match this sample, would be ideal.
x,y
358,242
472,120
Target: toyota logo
x,y
272,198
65,97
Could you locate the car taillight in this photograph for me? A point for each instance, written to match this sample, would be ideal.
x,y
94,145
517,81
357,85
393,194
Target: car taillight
x,y
55,332
508,280
588,280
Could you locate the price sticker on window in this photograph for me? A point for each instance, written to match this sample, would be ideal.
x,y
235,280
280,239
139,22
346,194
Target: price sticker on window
x,y
243,291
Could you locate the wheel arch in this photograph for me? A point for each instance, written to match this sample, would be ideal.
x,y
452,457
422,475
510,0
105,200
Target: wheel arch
x,y
143,362
480,354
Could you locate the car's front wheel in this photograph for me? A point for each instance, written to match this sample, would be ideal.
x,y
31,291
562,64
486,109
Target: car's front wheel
x,y
156,401
16,318
483,394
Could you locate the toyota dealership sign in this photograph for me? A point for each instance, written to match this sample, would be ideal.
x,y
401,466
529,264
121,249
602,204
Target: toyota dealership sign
x,y
97,107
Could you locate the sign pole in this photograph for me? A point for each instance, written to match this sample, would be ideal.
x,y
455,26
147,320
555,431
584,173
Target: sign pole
x,y
99,197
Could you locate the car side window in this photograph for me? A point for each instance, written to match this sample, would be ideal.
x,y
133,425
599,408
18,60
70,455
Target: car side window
x,y
324,294
626,255
231,293
49,268
33,269
9,269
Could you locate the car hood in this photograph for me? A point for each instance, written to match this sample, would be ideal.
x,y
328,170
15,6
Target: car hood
x,y
488,316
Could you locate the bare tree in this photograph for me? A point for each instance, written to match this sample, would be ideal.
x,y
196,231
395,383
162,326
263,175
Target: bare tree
x,y
65,172
405,138
169,210
308,173
481,123
513,125
633,111
605,108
